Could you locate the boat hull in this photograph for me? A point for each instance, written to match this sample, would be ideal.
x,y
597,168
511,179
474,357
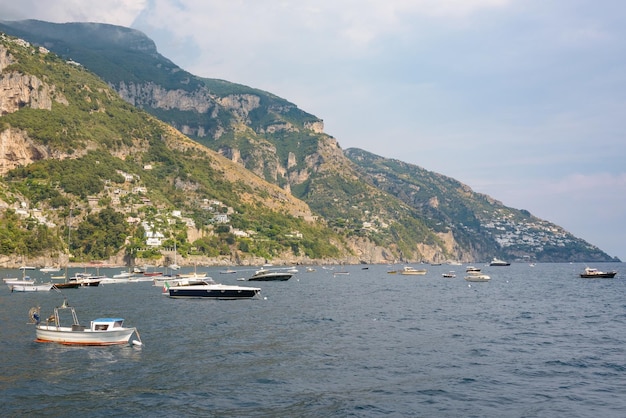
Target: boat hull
x,y
278,277
608,275
68,336
30,288
477,278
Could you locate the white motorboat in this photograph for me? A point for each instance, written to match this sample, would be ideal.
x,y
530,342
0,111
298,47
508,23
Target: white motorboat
x,y
477,278
498,262
412,271
101,331
270,275
44,287
208,289
49,269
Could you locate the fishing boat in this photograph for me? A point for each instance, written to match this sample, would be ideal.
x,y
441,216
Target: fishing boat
x,y
101,331
591,273
208,289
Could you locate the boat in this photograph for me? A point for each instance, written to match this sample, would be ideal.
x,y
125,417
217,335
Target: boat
x,y
228,271
449,274
270,275
14,280
341,273
49,269
208,289
310,270
86,279
24,268
592,273
498,262
66,285
477,278
470,269
412,271
30,287
101,331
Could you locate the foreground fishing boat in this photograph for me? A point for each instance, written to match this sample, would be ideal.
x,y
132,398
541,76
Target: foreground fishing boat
x,y
101,331
208,289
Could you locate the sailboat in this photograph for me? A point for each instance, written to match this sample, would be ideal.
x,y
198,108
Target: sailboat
x,y
174,266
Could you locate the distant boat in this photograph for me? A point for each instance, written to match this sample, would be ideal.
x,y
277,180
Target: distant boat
x,y
44,287
591,273
270,275
477,278
498,262
450,274
228,271
49,269
412,271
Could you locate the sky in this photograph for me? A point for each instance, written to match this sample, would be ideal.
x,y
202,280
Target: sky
x,y
523,100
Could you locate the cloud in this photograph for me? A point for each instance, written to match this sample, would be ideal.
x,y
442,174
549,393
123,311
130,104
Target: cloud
x,y
116,12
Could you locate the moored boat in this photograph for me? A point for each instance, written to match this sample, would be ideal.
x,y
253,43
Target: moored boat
x,y
208,289
270,275
498,262
31,287
477,278
101,331
592,273
412,271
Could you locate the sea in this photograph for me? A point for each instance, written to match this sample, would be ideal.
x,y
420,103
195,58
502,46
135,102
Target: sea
x,y
534,341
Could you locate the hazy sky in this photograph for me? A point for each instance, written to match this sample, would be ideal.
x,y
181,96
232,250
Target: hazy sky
x,y
524,100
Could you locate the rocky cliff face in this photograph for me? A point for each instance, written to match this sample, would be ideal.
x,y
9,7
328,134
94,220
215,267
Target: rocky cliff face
x,y
18,91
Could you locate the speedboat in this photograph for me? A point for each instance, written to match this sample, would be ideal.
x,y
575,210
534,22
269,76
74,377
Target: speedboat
x,y
270,275
450,274
207,288
591,273
49,269
498,262
477,278
411,271
101,331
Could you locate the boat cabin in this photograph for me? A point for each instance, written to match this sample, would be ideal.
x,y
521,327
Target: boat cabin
x,y
106,324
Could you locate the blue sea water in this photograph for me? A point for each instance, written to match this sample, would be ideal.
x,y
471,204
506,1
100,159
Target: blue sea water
x,y
533,342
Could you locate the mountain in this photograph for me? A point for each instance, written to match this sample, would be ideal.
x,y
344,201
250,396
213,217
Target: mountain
x,y
384,210
86,175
